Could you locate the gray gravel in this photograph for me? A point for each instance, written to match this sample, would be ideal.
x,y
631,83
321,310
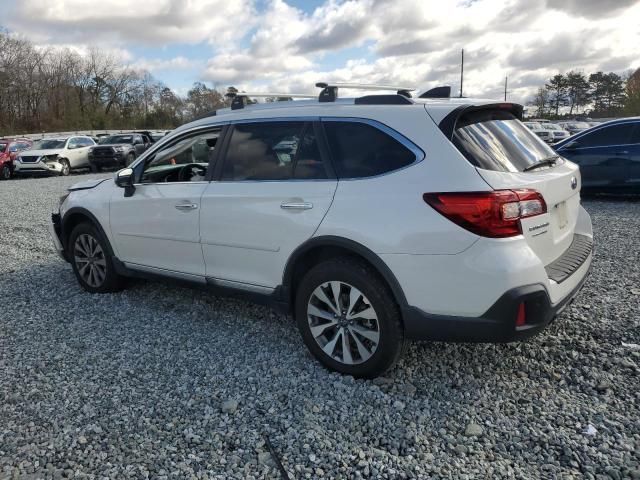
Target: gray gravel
x,y
165,382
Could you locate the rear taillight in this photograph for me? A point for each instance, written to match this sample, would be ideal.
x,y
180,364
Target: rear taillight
x,y
495,214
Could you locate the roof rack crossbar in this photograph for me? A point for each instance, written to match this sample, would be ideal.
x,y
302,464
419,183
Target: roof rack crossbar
x,y
239,99
329,91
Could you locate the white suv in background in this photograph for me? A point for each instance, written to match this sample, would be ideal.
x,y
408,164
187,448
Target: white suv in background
x,y
374,220
55,156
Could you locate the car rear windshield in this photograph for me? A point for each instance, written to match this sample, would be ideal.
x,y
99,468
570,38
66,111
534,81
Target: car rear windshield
x,y
497,140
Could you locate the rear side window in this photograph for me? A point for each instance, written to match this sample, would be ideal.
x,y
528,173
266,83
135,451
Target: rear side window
x,y
497,140
607,136
361,150
273,151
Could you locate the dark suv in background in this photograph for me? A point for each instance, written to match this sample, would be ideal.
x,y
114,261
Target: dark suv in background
x,y
608,156
118,150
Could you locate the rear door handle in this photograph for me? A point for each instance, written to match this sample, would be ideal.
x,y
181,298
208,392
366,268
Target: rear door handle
x,y
186,206
296,206
623,152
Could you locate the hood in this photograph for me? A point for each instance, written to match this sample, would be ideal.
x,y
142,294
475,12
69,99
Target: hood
x,y
39,153
112,145
87,184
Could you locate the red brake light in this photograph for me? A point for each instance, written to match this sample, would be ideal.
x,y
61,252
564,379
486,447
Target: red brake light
x,y
521,317
495,214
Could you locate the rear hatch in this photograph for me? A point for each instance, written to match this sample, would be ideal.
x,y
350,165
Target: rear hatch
x,y
509,156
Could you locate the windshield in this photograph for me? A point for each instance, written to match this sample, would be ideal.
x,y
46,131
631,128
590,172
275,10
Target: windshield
x,y
51,144
117,139
497,140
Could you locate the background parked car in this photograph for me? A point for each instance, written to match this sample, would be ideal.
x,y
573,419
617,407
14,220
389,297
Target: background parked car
x,y
9,149
55,156
574,127
559,133
118,150
608,155
546,135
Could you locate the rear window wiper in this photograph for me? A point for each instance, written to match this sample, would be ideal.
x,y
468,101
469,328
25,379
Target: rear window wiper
x,y
549,161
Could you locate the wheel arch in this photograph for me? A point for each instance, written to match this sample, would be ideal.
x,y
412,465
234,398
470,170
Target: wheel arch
x,y
324,247
74,217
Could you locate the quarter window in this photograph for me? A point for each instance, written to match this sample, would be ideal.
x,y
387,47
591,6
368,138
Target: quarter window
x,y
273,151
360,150
607,136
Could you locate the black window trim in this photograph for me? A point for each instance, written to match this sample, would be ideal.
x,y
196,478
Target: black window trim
x,y
309,122
404,141
150,154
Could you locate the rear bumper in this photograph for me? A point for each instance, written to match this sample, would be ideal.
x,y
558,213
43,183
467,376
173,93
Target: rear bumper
x,y
498,324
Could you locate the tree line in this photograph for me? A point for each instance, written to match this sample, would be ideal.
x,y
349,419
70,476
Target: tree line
x,y
59,89
597,95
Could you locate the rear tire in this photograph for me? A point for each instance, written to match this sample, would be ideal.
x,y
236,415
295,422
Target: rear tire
x,y
130,159
66,168
5,173
90,256
359,334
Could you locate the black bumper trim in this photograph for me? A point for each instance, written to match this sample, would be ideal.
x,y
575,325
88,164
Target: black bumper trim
x,y
571,260
497,324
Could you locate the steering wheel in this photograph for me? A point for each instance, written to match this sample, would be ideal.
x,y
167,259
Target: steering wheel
x,y
191,169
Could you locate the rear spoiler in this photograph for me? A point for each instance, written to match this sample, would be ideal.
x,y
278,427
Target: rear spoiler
x,y
448,124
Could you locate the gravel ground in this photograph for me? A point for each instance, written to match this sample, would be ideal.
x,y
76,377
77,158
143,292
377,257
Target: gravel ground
x,y
162,381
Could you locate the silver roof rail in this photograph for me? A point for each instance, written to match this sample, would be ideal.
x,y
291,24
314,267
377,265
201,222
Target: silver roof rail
x,y
240,98
329,91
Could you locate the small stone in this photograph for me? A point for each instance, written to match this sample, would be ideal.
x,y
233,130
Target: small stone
x,y
461,449
229,406
398,405
313,458
473,430
382,381
82,440
264,458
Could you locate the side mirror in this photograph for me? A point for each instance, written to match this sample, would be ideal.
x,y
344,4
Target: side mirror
x,y
124,179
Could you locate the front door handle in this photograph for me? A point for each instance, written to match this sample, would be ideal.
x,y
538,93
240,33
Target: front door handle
x,y
623,152
296,206
186,206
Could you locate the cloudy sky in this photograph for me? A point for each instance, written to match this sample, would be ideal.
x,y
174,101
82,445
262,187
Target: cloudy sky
x,y
288,45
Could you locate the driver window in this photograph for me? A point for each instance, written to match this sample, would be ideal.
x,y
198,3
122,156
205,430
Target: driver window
x,y
185,161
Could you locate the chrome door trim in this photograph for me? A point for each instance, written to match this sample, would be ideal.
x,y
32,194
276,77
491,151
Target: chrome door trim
x,y
166,273
248,287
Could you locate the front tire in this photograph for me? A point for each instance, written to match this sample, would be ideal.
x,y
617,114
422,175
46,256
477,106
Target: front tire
x,y
5,173
130,159
66,168
95,168
348,318
92,260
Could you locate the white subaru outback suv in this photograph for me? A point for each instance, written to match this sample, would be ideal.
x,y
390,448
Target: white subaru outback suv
x,y
374,220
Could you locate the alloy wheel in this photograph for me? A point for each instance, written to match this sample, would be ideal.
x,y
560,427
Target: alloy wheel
x,y
343,322
90,260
